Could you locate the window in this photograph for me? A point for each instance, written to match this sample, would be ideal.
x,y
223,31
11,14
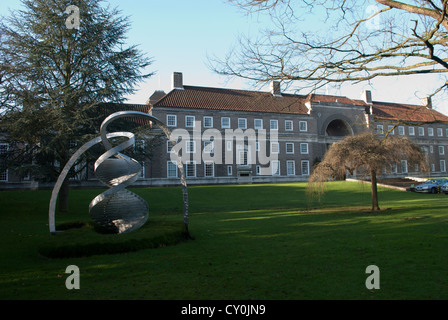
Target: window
x,y
394,167
390,129
142,172
305,166
439,132
171,169
431,149
433,167
258,124
304,148
169,146
209,147
379,129
401,130
191,146
411,131
4,176
275,165
242,123
274,124
208,122
229,170
274,147
4,147
258,170
290,168
288,125
209,168
190,169
404,166
243,158
430,132
289,147
441,150
171,120
442,166
257,145
225,122
421,131
189,121
27,176
140,145
73,144
303,126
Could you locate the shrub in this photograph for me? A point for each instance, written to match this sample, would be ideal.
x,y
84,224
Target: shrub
x,y
81,239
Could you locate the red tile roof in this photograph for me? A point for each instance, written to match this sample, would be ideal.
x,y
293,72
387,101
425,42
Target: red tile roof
x,y
233,100
321,98
193,97
406,112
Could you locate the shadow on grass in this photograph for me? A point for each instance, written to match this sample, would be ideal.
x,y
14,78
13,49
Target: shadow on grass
x,y
79,239
354,222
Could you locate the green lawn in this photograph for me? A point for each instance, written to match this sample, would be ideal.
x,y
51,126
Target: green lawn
x,y
251,242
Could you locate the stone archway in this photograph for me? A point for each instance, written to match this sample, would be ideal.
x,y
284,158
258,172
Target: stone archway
x,y
338,128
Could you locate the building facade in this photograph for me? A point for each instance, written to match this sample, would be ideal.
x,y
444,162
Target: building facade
x,y
292,132
229,136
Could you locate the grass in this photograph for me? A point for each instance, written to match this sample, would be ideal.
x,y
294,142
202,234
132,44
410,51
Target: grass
x,y
251,242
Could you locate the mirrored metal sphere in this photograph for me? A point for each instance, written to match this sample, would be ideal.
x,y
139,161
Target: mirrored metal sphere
x,y
118,210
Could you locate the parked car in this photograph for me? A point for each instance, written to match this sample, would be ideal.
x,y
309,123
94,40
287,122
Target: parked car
x,y
444,188
431,185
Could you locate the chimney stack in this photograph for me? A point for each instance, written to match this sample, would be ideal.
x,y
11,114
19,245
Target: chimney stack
x,y
367,97
427,102
155,97
275,89
177,81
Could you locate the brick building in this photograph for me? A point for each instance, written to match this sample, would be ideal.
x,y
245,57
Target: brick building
x,y
283,135
303,126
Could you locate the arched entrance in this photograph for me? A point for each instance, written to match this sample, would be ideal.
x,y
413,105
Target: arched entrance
x,y
338,128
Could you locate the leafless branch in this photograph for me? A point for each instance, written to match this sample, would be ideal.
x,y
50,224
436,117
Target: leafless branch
x,y
356,55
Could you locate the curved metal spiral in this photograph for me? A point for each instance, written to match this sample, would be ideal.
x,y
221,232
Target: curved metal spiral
x,y
117,209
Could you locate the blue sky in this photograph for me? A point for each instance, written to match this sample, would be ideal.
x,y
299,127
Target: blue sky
x,y
180,34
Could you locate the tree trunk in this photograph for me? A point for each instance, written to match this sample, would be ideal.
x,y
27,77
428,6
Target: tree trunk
x,y
63,196
375,206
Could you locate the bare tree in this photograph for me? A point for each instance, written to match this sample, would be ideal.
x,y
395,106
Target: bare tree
x,y
361,40
366,153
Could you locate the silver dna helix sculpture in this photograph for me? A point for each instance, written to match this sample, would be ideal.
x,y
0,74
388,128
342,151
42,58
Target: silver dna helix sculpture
x,y
117,209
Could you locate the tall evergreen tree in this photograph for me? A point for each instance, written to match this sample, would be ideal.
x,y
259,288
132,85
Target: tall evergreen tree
x,y
59,61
